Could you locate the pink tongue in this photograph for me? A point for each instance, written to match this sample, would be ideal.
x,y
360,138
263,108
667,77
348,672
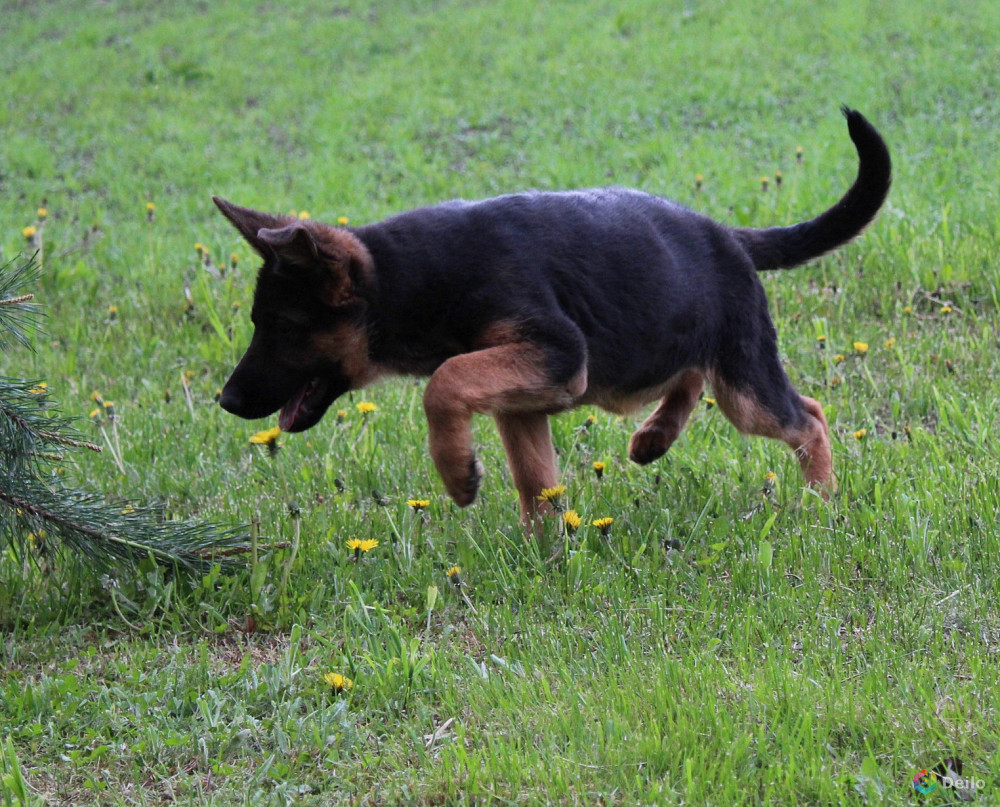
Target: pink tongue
x,y
290,411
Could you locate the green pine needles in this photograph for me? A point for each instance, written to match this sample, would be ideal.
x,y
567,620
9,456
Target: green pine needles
x,y
40,515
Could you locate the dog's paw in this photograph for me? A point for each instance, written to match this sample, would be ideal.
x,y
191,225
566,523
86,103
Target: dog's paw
x,y
648,445
464,489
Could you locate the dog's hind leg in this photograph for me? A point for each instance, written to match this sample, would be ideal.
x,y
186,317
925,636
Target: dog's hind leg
x,y
785,415
513,379
527,440
659,431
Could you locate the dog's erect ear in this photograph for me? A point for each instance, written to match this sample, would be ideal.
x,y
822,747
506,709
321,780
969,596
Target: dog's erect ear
x,y
313,253
294,244
250,222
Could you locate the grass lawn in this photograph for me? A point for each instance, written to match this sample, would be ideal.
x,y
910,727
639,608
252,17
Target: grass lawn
x,y
733,639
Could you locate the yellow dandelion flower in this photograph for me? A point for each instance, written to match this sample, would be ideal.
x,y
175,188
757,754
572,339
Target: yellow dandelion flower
x,y
946,309
603,524
840,358
304,214
907,309
572,521
821,338
778,177
94,413
799,154
890,342
860,434
359,545
552,494
340,683
266,438
112,311
43,213
199,247
367,407
861,348
599,469
698,181
150,207
342,220
95,396
770,480
418,504
29,232
454,571
39,389
341,415
709,402
764,182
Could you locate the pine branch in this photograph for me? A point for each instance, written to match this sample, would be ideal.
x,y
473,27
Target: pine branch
x,y
18,312
35,509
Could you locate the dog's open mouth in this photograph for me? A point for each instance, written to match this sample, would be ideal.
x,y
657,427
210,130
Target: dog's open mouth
x,y
304,409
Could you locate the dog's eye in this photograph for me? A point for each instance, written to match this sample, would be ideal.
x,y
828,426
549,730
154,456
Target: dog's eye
x,y
286,329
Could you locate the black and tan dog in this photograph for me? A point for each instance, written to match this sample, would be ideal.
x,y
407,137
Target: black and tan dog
x,y
530,304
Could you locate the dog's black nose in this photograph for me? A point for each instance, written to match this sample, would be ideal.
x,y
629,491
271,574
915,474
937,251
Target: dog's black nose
x,y
231,400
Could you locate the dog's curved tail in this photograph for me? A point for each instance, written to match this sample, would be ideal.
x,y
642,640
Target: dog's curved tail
x,y
785,247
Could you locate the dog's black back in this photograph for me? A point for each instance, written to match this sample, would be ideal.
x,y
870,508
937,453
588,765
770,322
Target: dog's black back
x,y
641,284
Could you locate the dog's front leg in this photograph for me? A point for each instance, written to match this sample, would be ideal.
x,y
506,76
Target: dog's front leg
x,y
527,441
512,383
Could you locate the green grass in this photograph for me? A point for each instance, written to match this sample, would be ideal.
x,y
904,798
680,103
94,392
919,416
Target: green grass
x,y
722,646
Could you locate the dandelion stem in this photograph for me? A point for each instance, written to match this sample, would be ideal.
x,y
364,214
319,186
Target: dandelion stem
x,y
114,454
291,558
401,540
187,395
254,530
121,616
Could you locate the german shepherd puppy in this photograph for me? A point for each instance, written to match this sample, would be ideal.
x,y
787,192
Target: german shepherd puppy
x,y
530,304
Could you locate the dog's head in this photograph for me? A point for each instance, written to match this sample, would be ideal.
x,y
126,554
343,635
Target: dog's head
x,y
310,315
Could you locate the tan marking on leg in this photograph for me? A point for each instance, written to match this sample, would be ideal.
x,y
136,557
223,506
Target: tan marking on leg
x,y
508,379
659,431
810,439
527,440
813,450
